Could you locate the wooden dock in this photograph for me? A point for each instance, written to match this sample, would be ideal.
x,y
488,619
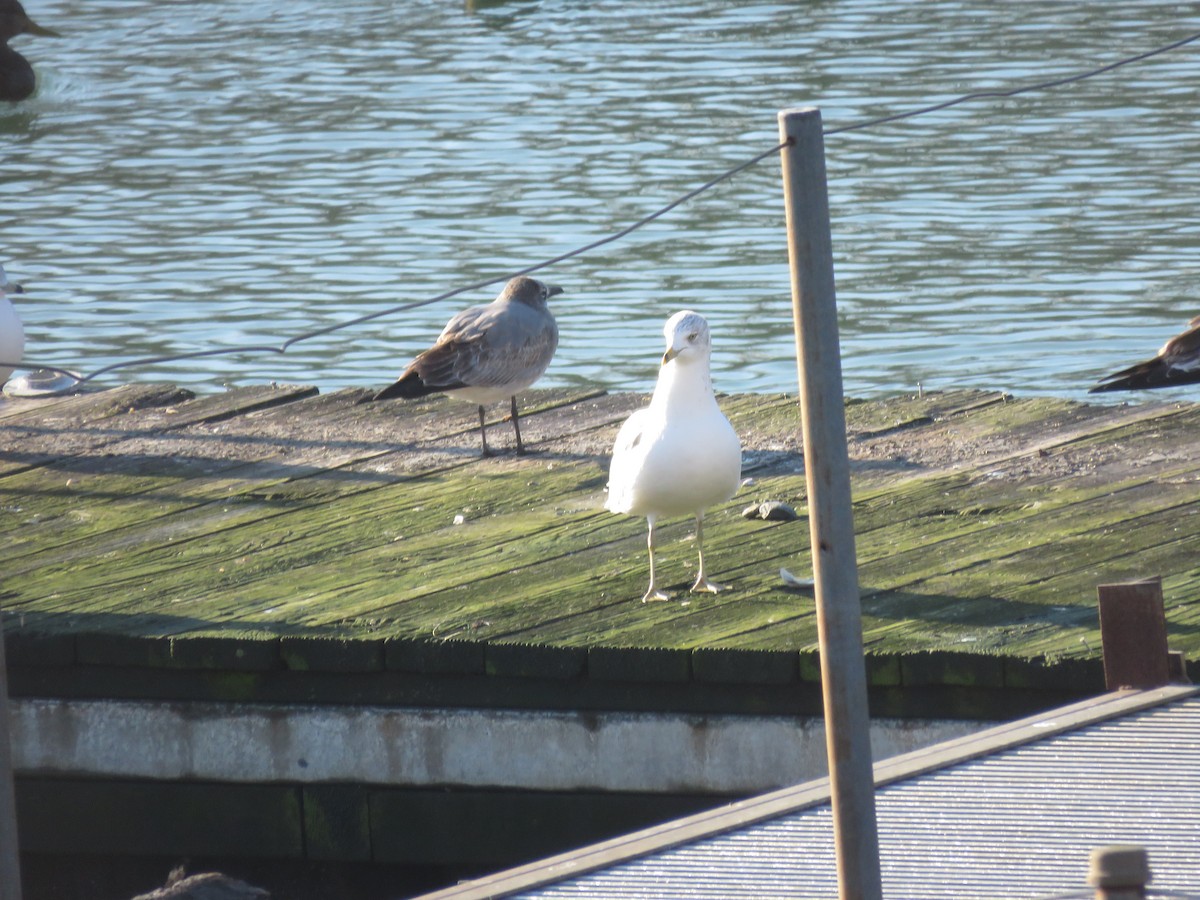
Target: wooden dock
x,y
274,543
376,618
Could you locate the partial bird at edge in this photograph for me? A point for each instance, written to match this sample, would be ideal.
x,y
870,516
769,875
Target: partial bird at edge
x,y
17,79
12,333
487,353
204,886
1177,363
679,455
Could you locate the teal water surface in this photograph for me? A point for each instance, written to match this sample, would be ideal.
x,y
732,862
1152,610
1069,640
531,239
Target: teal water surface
x,y
205,174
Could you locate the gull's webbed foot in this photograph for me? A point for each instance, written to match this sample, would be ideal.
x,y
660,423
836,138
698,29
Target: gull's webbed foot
x,y
703,584
653,593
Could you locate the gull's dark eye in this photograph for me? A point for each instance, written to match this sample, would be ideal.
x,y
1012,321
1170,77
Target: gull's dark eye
x,y
692,337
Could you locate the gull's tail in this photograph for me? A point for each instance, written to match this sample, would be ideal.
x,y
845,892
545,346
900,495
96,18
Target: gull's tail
x,y
408,385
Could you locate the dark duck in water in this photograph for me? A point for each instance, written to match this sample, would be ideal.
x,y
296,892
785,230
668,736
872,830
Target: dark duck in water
x,y
16,74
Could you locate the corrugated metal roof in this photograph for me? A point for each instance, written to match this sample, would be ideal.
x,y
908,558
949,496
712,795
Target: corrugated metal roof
x,y
1015,821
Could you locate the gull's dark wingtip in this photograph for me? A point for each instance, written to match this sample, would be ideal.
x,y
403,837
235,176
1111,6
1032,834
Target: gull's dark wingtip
x,y
1146,377
408,386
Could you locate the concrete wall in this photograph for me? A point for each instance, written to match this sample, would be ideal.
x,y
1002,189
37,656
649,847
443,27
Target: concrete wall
x,y
549,751
464,789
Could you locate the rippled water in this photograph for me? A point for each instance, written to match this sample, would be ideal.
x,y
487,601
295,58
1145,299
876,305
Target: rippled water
x,y
199,174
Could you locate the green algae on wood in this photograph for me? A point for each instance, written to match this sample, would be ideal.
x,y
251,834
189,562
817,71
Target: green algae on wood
x,y
302,525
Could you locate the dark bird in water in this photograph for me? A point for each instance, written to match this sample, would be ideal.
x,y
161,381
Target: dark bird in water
x,y
16,74
487,353
1178,362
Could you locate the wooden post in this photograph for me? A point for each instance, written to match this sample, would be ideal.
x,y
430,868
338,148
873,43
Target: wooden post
x,y
10,860
1133,635
1119,872
831,524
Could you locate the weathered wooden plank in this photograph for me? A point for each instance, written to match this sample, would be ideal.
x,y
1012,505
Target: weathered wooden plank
x,y
86,423
90,406
262,469
34,434
267,532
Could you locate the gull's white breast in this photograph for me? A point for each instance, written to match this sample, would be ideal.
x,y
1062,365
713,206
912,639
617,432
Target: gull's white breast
x,y
674,465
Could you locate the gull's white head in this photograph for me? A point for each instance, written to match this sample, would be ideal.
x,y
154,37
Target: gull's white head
x,y
688,338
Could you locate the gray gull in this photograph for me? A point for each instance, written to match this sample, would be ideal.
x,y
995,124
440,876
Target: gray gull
x,y
489,352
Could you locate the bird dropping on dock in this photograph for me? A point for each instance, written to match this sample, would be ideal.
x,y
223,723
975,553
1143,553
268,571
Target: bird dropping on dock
x,y
17,80
679,455
1178,362
487,353
12,334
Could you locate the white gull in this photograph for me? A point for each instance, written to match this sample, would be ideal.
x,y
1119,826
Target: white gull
x,y
679,455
